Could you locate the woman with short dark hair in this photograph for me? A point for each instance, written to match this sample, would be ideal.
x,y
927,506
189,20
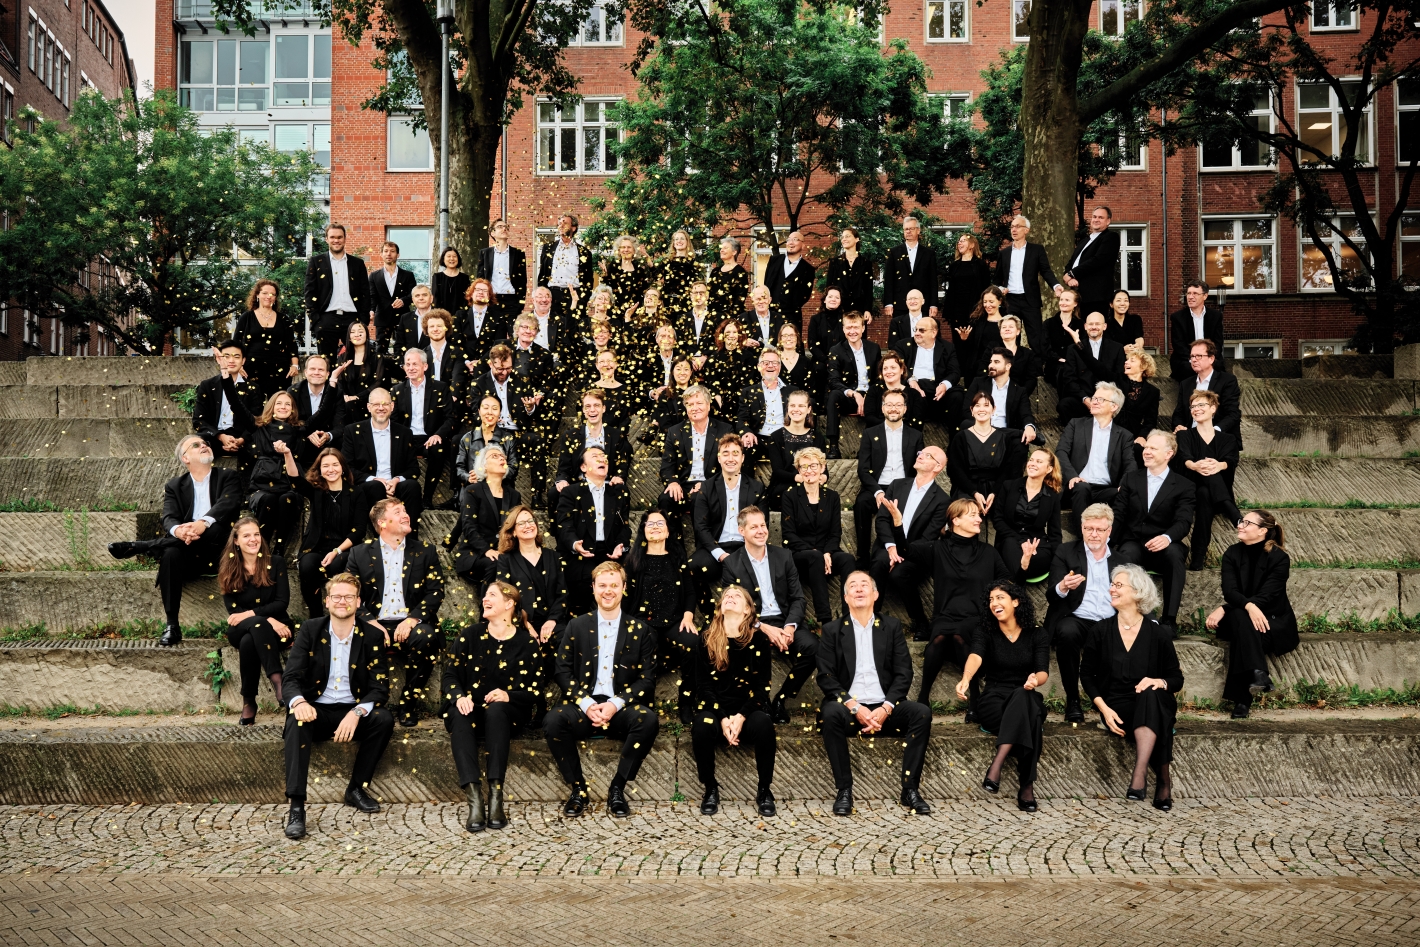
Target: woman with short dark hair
x,y
256,595
450,282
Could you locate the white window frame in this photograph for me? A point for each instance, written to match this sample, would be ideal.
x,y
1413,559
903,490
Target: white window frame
x,y
1122,9
1330,9
578,125
1235,245
1140,153
29,331
1304,243
950,100
1236,163
389,140
410,256
1368,116
946,8
761,251
1128,250
1403,109
53,336
597,14
1307,347
1016,5
1234,349
4,317
856,15
541,235
1409,237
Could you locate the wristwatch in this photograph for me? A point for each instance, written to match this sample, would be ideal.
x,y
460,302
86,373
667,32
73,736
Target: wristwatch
x,y
360,711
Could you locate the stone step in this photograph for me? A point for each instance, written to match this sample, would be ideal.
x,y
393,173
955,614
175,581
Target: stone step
x,y
191,761
1332,537
78,540
1327,481
92,437
12,373
1379,436
91,401
181,370
72,483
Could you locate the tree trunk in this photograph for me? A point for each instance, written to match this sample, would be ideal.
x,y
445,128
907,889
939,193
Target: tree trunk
x,y
473,166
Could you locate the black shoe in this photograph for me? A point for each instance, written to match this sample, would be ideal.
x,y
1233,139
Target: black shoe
x,y
1073,713
1165,804
1026,805
451,503
296,821
616,801
710,802
357,797
843,805
1241,711
126,550
1170,627
497,818
245,720
1135,795
833,452
779,712
172,637
474,822
990,785
921,633
970,716
576,803
1261,683
1197,565
409,713
913,800
764,799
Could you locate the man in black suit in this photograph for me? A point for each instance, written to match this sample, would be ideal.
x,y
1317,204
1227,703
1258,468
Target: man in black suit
x,y
214,419
320,406
934,372
199,508
763,407
1202,358
391,296
1092,360
911,515
335,686
851,366
789,277
691,454
886,452
1011,402
1095,453
1077,594
762,322
769,574
592,432
401,589
499,383
1094,264
910,265
606,670
1019,269
337,292
864,671
695,329
552,332
566,268
506,269
714,515
535,370
485,326
1196,320
383,456
1154,510
593,526
427,408
409,327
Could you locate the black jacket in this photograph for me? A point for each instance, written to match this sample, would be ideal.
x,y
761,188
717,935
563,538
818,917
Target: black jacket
x,y
1181,339
308,663
577,517
838,659
927,520
472,442
1252,574
497,327
1036,266
480,517
900,277
357,443
854,282
330,417
1097,670
792,292
812,527
334,517
945,365
224,492
1018,410
423,579
517,274
783,577
686,339
1171,512
1082,371
574,441
408,333
482,386
962,569
707,511
207,407
382,302
749,324
586,266
677,453
534,366
450,363
1071,557
439,410
1074,449
1047,520
843,367
633,670
873,453
318,286
749,416
1097,269
1229,392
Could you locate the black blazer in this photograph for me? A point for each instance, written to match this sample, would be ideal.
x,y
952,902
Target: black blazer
x,y
574,441
408,333
207,406
357,443
480,517
1097,670
318,286
586,266
1097,269
439,410
1070,557
812,527
854,282
678,450
749,414
517,274
482,387
707,511
749,324
577,517
423,579
900,277
688,342
945,365
792,292
1018,410
927,520
330,417
534,366
1074,449
783,577
1036,266
838,659
1047,520
450,363
1257,576
1082,371
382,301
633,670
334,517
308,663
843,367
1171,512
224,492
873,452
476,341
1229,392
1181,339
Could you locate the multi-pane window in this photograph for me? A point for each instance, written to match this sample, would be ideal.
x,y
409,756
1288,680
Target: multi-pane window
x,y
1247,152
954,105
600,29
290,138
1316,275
948,21
416,249
1322,124
1410,250
7,113
409,147
1116,15
224,75
48,60
577,139
1134,258
1020,20
1132,152
859,16
1333,15
1240,254
1407,101
300,58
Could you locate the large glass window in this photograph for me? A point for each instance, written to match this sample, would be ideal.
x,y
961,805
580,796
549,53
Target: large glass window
x,y
1134,258
948,21
576,140
1407,101
1316,275
1333,15
409,148
224,75
1410,250
416,249
1239,254
1020,20
1116,15
300,58
600,29
1248,152
1323,125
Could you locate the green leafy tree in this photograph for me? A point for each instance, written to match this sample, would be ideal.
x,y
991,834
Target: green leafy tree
x,y
144,194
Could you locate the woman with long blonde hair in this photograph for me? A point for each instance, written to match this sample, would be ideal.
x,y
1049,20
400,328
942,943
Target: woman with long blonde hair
x,y
1026,516
256,594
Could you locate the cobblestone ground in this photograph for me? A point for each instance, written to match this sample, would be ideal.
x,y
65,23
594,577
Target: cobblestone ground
x,y
1299,871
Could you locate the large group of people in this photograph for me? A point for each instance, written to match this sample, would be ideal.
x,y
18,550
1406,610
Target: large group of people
x,y
481,381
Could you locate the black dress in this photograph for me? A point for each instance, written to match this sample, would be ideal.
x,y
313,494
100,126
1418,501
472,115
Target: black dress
x,y
628,288
451,292
334,518
1127,334
963,567
481,516
806,376
1017,519
854,281
544,593
977,466
1212,495
726,375
677,273
1004,707
966,281
269,352
728,292
660,592
1140,413
1111,671
811,531
476,664
271,499
259,646
824,332
782,446
1254,574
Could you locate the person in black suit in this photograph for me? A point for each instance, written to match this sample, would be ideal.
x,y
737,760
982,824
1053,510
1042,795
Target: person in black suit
x,y
215,419
812,530
1209,457
566,268
852,273
591,433
484,326
593,526
1020,268
934,372
337,292
401,589
484,506
384,457
1202,357
333,526
764,319
320,405
790,279
910,265
335,686
886,452
446,357
714,515
506,269
408,330
606,670
1094,264
1077,597
1154,509
433,427
763,408
851,366
1092,360
864,671
1194,322
1256,617
1026,517
911,515
691,454
198,510
768,572
1010,401
1095,453
391,296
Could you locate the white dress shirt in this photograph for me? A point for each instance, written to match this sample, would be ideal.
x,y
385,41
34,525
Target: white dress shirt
x,y
998,402
478,315
225,417
1155,484
502,273
730,529
766,332
912,255
860,359
542,323
340,300
697,451
773,409
1095,346
1198,323
893,467
607,631
593,440
436,357
201,501
337,680
392,603
769,605
1076,262
383,441
564,265
316,398
501,389
790,266
1015,283
390,280
867,687
1201,384
599,506
1097,469
909,509
416,408
1095,605
922,367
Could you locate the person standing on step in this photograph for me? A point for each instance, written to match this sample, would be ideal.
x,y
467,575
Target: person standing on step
x,y
567,269
391,297
911,515
1195,322
1154,508
1094,265
506,269
256,594
1019,268
910,265
337,292
428,409
1209,457
268,338
789,277
1077,593
1026,517
886,453
850,374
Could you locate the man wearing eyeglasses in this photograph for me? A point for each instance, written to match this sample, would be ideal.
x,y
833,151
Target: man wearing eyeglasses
x,y
1077,593
1195,321
1202,359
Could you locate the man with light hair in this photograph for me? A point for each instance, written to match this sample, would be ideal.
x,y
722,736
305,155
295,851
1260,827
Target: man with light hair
x,y
1077,595
1154,507
790,278
910,265
690,456
1095,453
1019,270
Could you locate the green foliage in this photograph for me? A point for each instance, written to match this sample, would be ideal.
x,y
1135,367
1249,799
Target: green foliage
x,y
146,193
110,630
28,505
185,399
216,672
31,632
1319,693
1351,504
1404,562
1352,623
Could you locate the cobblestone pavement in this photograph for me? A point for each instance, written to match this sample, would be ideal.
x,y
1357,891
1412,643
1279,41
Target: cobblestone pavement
x,y
1303,870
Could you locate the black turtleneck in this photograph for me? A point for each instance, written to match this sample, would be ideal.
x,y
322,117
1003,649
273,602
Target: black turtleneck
x,y
965,566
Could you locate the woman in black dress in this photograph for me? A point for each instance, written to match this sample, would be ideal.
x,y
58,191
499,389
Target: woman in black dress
x,y
892,376
628,278
798,433
1013,657
796,368
1121,325
1130,671
483,508
269,340
730,369
1209,457
982,333
537,575
278,430
1140,413
360,368
333,527
621,398
491,686
1256,616
728,283
826,326
679,270
732,661
968,275
666,409
852,272
450,282
1062,332
1026,517
964,568
981,458
256,594
812,526
661,592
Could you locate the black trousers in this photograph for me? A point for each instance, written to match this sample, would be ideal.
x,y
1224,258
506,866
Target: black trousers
x,y
839,403
370,492
950,642
436,463
1010,550
908,718
906,578
416,654
1247,654
180,563
634,725
946,412
329,330
706,570
1171,563
758,732
1016,716
278,513
372,733
474,568
260,649
1016,305
1069,640
811,574
314,577
865,509
578,573
492,726
1212,495
1082,495
676,510
802,655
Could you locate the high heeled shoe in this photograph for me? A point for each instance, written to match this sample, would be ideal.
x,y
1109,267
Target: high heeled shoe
x,y
1026,805
1165,804
1135,795
244,720
990,785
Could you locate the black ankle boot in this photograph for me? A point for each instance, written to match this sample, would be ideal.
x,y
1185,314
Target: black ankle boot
x,y
497,818
475,820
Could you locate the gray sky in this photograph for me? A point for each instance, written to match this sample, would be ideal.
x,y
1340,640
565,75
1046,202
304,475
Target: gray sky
x,y
135,18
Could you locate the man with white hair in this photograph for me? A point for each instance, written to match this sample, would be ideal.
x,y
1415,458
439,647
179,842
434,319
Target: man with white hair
x,y
1019,270
1154,509
910,265
1095,453
426,407
1077,594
